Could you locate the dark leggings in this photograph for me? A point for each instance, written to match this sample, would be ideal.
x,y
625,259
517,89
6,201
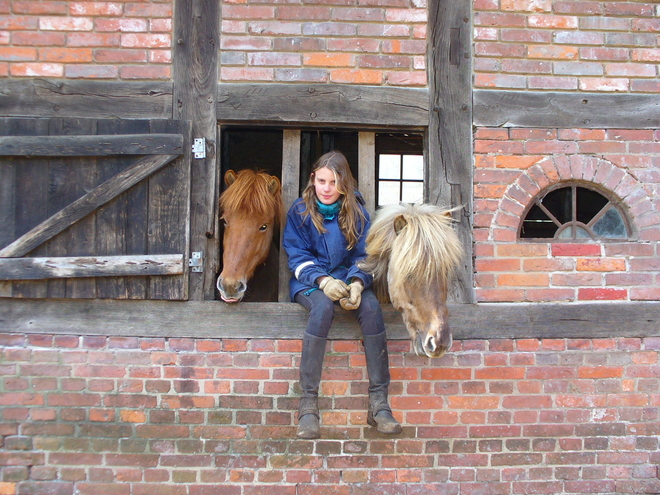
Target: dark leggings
x,y
321,312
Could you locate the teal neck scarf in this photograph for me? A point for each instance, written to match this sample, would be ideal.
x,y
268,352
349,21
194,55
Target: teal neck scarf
x,y
328,211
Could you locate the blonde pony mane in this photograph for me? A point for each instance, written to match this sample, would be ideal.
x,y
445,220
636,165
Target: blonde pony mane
x,y
252,193
425,251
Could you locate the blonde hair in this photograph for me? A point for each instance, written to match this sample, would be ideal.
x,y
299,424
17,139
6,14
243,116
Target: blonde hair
x,y
351,217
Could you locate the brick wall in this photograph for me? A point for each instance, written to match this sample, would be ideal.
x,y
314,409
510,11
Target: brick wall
x,y
376,42
560,45
514,165
91,415
90,40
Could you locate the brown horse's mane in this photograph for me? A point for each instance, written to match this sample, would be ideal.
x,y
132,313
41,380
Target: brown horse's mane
x,y
425,251
251,193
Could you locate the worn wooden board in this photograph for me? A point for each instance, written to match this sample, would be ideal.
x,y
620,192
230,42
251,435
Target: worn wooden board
x,y
168,217
290,188
31,189
90,266
37,97
449,137
94,145
122,221
195,77
494,108
293,104
69,178
367,179
214,319
85,205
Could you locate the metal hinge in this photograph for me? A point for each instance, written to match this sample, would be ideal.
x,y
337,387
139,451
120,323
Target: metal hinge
x,y
199,147
196,263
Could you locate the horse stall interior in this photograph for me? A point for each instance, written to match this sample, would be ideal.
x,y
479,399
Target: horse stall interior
x,y
122,373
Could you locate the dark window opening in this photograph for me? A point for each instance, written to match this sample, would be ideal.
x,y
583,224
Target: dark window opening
x,y
574,213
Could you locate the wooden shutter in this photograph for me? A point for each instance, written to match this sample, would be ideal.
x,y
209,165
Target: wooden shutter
x,y
94,208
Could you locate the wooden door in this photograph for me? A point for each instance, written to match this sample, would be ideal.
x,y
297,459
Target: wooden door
x,y
94,208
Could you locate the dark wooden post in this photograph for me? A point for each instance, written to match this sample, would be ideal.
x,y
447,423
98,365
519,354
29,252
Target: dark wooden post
x,y
450,124
195,75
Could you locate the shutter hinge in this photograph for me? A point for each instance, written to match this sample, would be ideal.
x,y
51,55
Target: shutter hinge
x,y
199,147
196,263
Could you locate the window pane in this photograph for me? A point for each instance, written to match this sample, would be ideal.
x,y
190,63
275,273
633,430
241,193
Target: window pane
x,y
388,193
589,203
538,225
412,192
611,225
413,167
389,167
560,204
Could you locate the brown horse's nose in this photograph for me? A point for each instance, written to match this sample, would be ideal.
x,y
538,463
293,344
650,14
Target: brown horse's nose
x,y
231,292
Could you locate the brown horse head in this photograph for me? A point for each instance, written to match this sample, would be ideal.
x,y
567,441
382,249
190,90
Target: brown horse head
x,y
251,210
412,251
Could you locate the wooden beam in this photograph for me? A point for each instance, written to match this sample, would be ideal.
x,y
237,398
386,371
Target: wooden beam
x,y
290,192
367,180
295,104
196,42
90,266
98,145
449,157
493,108
70,214
85,99
214,319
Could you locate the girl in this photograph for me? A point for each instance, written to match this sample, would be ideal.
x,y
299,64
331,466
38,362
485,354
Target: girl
x,y
324,238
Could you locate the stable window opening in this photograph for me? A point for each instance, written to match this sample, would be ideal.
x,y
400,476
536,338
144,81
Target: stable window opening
x,y
388,166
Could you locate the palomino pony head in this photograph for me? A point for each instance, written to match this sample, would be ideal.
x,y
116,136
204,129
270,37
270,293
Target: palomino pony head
x,y
412,252
251,210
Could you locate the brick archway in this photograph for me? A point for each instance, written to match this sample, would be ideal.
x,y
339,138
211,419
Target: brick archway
x,y
645,219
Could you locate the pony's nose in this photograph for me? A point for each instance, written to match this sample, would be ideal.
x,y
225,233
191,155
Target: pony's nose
x,y
435,346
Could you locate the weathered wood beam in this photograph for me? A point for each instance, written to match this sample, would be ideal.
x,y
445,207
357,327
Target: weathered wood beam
x,y
293,104
214,319
494,108
70,214
290,191
90,266
98,145
195,54
449,157
85,99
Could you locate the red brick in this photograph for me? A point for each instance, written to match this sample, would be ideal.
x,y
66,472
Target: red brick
x,y
601,294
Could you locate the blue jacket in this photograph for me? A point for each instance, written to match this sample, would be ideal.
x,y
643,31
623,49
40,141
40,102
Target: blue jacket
x,y
313,255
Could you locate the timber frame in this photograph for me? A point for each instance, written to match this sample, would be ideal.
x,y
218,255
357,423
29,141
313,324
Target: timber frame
x,y
447,111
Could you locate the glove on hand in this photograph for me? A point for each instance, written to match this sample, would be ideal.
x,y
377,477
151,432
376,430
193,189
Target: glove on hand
x,y
334,288
354,298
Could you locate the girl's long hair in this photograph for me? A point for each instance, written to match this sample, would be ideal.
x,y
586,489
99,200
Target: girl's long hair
x,y
351,218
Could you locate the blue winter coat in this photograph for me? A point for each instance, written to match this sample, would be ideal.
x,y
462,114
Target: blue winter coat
x,y
313,255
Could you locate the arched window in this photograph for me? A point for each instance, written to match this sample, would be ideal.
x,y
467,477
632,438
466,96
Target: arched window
x,y
574,211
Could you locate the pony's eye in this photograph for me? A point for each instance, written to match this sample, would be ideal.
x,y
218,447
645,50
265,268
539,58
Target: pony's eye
x,y
263,228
